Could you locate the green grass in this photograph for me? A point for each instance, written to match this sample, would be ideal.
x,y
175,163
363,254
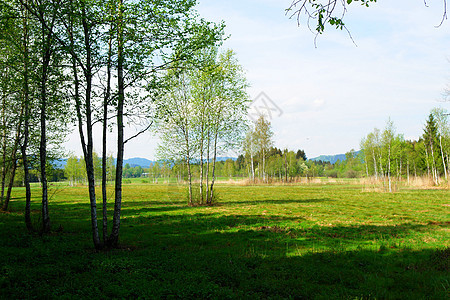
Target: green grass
x,y
307,241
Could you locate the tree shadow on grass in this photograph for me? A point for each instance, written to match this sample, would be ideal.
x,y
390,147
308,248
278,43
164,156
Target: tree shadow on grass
x,y
273,226
279,201
210,255
142,206
247,259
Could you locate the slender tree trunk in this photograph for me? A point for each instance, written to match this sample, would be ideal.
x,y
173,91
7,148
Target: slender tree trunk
x,y
188,162
104,150
26,124
104,136
201,167
375,164
253,166
389,169
10,184
285,167
89,160
211,198
114,238
407,170
443,160
264,165
433,165
43,142
4,146
207,165
13,160
87,147
448,165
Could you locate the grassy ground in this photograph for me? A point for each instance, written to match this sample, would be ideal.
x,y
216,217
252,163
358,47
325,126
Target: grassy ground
x,y
310,241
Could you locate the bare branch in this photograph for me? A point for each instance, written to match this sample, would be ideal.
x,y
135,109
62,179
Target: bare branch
x,y
139,133
444,15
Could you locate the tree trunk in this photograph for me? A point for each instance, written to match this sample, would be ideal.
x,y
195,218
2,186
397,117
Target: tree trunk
x,y
407,169
211,198
443,160
389,169
4,146
11,182
86,147
207,166
285,167
201,167
253,167
26,125
104,137
433,165
367,170
264,165
89,160
43,142
448,165
189,180
114,238
375,164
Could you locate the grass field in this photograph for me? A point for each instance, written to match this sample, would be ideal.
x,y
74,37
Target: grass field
x,y
327,241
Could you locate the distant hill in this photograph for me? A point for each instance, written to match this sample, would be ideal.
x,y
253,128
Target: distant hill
x,y
332,158
225,158
138,161
145,163
133,162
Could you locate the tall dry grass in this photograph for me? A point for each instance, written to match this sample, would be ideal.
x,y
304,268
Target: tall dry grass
x,y
415,182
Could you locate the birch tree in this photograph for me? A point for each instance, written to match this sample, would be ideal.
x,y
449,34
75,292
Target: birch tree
x,y
228,106
431,142
205,115
250,152
443,131
177,127
263,140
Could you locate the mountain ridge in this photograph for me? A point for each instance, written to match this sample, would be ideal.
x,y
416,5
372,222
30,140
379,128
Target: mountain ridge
x,y
133,162
332,158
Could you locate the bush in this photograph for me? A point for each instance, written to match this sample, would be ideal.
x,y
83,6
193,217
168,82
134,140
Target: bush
x,y
196,199
351,174
332,173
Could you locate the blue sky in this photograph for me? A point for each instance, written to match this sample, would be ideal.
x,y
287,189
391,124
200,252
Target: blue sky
x,y
333,95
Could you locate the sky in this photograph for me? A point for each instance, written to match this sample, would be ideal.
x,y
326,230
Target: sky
x,y
326,95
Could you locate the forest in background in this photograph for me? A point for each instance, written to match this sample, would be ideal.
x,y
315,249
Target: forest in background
x,y
384,154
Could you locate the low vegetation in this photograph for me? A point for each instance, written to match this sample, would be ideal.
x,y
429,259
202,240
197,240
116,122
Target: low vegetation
x,y
324,241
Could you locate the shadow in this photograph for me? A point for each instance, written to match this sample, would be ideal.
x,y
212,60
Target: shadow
x,y
279,227
280,201
244,258
192,253
214,256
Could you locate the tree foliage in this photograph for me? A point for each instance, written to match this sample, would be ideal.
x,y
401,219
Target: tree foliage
x,y
105,58
203,115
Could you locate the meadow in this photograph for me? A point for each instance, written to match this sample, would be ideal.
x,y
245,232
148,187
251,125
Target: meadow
x,y
309,241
